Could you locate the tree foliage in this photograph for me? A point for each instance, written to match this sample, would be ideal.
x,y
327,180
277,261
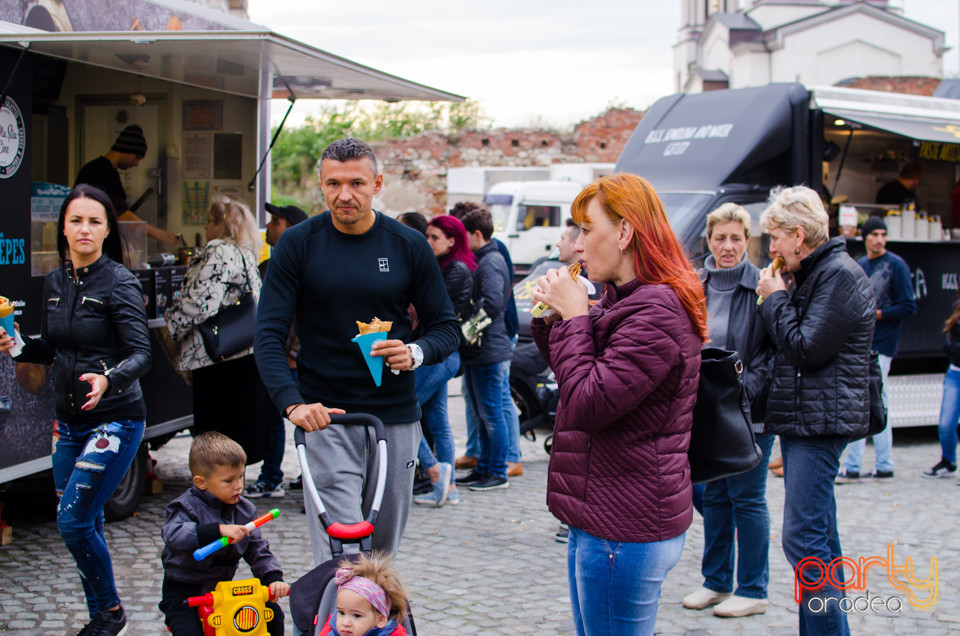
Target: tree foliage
x,y
294,157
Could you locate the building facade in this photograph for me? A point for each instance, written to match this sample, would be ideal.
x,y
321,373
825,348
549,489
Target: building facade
x,y
739,43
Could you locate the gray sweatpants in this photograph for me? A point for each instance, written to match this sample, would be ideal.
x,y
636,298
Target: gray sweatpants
x,y
345,473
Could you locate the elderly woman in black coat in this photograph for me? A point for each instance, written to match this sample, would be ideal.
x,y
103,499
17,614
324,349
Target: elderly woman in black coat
x,y
819,396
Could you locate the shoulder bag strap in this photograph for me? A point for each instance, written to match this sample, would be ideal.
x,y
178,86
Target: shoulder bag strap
x,y
246,275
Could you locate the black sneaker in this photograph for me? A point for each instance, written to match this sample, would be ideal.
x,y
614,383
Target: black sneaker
x,y
472,478
106,624
490,482
296,484
942,469
882,474
847,477
563,534
262,489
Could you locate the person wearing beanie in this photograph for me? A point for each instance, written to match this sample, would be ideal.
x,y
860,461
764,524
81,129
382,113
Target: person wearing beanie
x,y
270,481
104,173
890,277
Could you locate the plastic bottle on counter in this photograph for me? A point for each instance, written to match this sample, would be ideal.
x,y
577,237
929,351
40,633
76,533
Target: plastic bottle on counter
x,y
935,227
893,225
922,229
908,222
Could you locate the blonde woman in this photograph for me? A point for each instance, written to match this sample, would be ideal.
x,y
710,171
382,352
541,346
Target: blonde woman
x,y
226,267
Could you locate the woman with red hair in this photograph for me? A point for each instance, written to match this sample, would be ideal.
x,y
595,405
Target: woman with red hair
x,y
448,238
628,370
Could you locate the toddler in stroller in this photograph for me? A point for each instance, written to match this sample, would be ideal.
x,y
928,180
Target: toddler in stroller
x,y
371,600
317,599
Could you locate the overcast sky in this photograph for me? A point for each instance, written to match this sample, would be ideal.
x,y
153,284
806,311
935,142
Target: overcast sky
x,y
551,62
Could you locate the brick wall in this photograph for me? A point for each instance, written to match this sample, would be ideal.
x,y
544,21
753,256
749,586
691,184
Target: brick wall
x,y
914,85
415,168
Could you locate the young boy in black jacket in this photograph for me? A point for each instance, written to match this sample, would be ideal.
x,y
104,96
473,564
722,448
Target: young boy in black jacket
x,y
211,509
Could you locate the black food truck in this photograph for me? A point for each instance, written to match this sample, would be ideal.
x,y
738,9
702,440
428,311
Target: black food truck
x,y
702,150
200,84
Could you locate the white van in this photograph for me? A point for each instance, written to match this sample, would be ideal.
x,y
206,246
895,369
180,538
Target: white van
x,y
529,216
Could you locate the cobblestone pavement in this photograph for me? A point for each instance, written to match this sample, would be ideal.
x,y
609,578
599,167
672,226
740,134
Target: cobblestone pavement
x,y
491,565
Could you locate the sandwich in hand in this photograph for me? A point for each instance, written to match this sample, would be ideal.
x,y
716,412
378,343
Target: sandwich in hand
x,y
775,266
542,309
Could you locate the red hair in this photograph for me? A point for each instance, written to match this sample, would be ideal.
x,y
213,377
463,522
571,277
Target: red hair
x,y
658,258
453,228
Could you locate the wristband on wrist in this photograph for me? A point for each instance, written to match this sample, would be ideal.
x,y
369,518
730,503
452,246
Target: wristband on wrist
x,y
291,409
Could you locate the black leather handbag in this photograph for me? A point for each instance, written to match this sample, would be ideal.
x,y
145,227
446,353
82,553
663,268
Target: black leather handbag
x,y
722,443
233,328
878,411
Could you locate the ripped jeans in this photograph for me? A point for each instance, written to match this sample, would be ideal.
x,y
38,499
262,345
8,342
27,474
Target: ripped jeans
x,y
88,464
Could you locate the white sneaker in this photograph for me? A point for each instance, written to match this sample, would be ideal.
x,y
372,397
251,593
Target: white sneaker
x,y
741,606
703,598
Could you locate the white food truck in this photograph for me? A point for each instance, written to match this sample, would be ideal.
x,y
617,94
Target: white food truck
x,y
200,84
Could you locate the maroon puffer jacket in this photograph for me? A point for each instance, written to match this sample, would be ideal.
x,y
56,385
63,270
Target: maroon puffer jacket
x,y
628,377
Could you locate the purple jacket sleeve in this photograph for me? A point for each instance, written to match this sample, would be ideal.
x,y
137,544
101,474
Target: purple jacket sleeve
x,y
541,335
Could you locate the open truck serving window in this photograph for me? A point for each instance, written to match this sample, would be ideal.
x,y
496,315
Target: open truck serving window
x,y
200,85
702,150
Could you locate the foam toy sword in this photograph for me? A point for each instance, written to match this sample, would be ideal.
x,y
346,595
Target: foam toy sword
x,y
202,553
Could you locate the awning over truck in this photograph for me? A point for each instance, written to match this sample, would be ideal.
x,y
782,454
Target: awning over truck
x,y
702,141
248,63
939,130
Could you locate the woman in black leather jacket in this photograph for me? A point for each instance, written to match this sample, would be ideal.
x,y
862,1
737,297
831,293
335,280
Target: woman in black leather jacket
x,y
448,238
819,396
94,332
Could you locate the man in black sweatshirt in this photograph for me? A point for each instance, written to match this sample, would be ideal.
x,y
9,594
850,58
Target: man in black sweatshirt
x,y
352,264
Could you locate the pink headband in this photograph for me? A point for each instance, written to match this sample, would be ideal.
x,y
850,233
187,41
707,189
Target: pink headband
x,y
346,579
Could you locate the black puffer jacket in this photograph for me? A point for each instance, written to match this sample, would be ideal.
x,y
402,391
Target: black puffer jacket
x,y
491,287
94,325
823,336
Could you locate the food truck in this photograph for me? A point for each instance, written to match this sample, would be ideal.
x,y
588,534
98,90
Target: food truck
x,y
200,83
702,150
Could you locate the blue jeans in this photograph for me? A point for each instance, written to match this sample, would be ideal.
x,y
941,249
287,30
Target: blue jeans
x,y
882,441
737,506
810,465
270,472
615,586
485,402
88,464
431,383
512,418
950,416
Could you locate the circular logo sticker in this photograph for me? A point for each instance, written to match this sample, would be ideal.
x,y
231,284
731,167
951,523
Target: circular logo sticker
x,y
13,138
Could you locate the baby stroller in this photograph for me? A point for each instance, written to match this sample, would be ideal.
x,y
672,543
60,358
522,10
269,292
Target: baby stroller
x,y
313,597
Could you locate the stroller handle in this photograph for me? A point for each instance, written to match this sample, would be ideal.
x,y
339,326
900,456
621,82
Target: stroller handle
x,y
345,419
340,533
